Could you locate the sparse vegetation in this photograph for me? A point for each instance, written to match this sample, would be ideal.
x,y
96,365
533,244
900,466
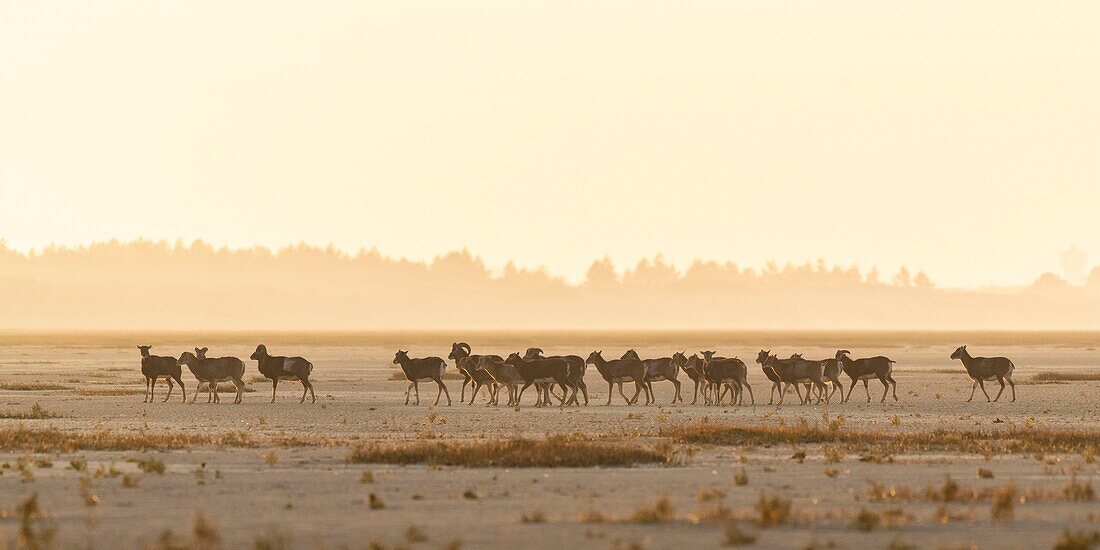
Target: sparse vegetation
x,y
109,392
51,440
366,477
510,453
592,515
1004,500
1054,377
375,502
866,520
741,478
538,516
415,534
37,412
985,473
1078,492
772,511
149,465
31,386
661,510
36,531
204,534
1007,440
1077,540
734,536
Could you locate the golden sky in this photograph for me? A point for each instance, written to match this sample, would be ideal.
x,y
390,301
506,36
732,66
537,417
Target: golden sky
x,y
961,138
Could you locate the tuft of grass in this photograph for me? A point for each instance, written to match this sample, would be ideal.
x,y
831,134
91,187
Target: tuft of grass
x,y
204,533
899,544
52,440
538,516
37,412
985,473
659,511
552,452
1078,492
592,515
1004,499
706,495
469,494
1059,376
833,455
734,536
865,521
149,465
772,511
78,464
1077,540
375,502
31,386
113,391
415,534
271,458
275,541
366,477
129,481
35,529
1006,440
741,478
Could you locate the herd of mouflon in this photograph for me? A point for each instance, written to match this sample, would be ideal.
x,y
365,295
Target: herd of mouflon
x,y
714,377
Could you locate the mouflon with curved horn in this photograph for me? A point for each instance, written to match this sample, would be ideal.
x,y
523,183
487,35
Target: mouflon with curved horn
x,y
865,369
466,363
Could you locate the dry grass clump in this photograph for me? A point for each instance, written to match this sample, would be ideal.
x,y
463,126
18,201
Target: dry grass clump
x,y
149,465
37,412
35,529
415,534
52,440
1004,500
1078,492
538,516
741,478
592,515
1053,377
1006,440
772,511
375,502
111,391
659,511
734,536
865,521
1077,540
985,473
511,453
31,386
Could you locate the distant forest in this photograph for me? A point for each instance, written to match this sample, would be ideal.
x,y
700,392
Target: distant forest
x,y
158,285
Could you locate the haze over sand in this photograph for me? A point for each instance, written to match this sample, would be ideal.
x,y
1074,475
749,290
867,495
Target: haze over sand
x,y
155,286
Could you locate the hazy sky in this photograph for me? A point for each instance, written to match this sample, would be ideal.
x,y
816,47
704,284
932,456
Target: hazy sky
x,y
961,138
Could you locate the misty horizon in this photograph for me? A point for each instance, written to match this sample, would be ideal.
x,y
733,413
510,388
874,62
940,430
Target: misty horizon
x,y
157,285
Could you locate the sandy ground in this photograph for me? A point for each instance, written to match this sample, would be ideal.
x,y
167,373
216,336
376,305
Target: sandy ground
x,y
311,497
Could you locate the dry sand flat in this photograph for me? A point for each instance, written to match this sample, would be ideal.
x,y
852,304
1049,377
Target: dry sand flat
x,y
307,493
